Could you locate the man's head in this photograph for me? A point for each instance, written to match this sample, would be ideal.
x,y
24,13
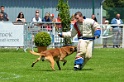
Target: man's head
x,y
47,15
78,16
52,16
118,16
37,13
106,22
2,8
93,16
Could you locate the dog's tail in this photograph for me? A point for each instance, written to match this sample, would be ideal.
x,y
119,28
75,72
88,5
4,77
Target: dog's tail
x,y
35,53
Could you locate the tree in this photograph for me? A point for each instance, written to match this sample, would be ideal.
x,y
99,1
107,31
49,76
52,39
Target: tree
x,y
113,7
64,12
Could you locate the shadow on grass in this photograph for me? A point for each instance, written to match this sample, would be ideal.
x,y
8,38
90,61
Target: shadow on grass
x,y
62,69
84,69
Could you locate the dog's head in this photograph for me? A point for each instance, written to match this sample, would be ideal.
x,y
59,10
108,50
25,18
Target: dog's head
x,y
73,49
69,49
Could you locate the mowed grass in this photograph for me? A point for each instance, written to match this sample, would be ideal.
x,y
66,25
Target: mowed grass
x,y
106,65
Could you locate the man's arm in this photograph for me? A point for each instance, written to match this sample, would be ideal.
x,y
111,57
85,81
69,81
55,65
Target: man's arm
x,y
97,30
70,33
113,21
97,33
65,34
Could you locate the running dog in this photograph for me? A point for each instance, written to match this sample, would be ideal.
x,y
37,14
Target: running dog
x,y
56,54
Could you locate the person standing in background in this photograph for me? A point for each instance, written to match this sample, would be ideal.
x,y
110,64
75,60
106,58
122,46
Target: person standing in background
x,y
46,20
52,17
94,17
37,17
58,25
117,31
107,31
73,21
5,15
20,17
46,17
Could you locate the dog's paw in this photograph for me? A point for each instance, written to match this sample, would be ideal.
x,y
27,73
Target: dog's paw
x,y
43,58
64,63
32,65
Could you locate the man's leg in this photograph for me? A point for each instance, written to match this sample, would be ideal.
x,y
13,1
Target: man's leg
x,y
88,54
79,59
78,64
119,38
115,33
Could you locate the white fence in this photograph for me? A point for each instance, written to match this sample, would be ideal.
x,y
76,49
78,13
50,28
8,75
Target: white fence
x,y
108,33
21,34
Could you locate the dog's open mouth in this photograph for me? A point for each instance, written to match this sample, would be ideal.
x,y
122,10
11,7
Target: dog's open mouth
x,y
75,49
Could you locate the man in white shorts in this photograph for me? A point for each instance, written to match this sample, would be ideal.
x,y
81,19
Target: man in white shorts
x,y
87,30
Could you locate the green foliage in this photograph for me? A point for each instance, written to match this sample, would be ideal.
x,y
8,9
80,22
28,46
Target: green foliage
x,y
64,13
42,39
113,7
113,3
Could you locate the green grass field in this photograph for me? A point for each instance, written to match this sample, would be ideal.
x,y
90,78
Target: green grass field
x,y
106,65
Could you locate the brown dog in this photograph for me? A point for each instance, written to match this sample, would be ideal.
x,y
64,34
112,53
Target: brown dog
x,y
57,54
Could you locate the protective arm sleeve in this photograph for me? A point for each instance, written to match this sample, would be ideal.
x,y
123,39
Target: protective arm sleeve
x,y
97,33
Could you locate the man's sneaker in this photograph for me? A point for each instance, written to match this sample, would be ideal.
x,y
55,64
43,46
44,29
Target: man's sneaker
x,y
76,67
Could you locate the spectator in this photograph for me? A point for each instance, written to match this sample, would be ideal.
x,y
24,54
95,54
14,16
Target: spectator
x,y
117,31
37,17
46,18
36,25
20,17
103,20
48,26
52,17
73,21
94,17
1,17
106,33
58,25
5,15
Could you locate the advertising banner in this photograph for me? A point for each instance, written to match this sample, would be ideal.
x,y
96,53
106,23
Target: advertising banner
x,y
11,35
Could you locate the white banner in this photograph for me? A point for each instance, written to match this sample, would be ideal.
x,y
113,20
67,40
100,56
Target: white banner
x,y
11,35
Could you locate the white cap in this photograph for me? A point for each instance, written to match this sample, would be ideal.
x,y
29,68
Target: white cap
x,y
106,21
